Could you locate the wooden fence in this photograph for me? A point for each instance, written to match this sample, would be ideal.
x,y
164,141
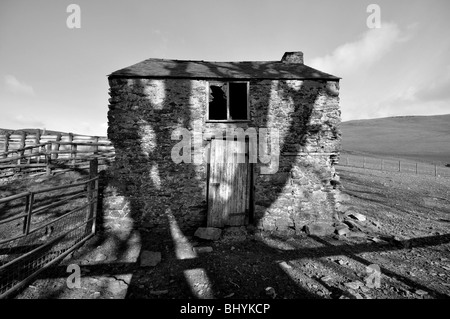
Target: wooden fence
x,y
23,139
50,154
392,165
39,228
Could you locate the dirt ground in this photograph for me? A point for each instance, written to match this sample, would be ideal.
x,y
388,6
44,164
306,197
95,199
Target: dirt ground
x,y
406,234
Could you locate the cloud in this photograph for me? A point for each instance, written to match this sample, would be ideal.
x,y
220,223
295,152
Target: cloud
x,y
353,56
15,86
436,89
429,90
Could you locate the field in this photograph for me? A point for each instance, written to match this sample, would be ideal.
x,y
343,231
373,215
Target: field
x,y
417,138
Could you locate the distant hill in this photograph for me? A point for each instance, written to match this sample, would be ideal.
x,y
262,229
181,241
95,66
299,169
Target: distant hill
x,y
418,138
3,131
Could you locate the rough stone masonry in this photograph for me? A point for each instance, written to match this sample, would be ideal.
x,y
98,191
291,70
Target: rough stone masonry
x,y
151,99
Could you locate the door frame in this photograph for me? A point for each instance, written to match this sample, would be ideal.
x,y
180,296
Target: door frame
x,y
249,218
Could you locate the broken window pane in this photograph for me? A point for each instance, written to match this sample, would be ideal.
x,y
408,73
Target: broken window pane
x,y
228,101
238,101
217,102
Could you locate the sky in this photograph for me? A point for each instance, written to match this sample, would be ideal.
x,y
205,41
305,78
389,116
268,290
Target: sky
x,y
55,77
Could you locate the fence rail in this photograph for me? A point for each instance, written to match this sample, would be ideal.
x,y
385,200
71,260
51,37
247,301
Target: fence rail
x,y
23,139
45,233
53,155
392,165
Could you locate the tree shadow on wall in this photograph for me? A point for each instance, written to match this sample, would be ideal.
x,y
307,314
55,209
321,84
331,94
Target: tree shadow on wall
x,y
163,195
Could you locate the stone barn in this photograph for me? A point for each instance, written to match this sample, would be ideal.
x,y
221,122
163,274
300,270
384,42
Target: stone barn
x,y
226,143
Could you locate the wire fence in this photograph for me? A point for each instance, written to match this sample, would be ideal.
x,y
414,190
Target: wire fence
x,y
39,228
391,165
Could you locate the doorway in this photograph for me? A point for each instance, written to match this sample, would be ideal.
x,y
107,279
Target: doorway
x,y
230,184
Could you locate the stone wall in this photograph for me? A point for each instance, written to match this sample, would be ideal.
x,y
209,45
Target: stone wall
x,y
143,113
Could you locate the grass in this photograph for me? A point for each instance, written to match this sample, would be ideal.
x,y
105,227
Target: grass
x,y
416,138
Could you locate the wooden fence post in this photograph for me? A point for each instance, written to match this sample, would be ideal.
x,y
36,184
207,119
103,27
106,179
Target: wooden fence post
x,y
21,151
37,140
6,148
73,154
57,145
416,168
73,148
48,157
399,166
29,211
95,146
91,188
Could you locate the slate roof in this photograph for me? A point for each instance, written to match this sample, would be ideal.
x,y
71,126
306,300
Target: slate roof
x,y
163,68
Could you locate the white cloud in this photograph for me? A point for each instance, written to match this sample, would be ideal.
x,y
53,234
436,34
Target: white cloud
x,y
437,88
353,56
15,86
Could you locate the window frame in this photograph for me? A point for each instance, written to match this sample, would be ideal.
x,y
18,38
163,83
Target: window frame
x,y
227,120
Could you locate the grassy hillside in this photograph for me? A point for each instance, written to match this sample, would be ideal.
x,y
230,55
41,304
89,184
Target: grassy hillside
x,y
418,138
33,131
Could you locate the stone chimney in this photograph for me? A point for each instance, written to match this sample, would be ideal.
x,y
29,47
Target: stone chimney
x,y
293,57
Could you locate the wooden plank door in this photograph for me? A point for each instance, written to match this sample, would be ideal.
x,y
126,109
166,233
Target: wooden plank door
x,y
229,183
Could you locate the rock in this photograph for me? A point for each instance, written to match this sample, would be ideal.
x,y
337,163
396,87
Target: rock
x,y
364,289
285,265
100,257
357,216
150,258
378,240
341,197
326,278
342,230
208,233
319,229
354,284
421,292
118,287
96,294
271,292
342,208
202,250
